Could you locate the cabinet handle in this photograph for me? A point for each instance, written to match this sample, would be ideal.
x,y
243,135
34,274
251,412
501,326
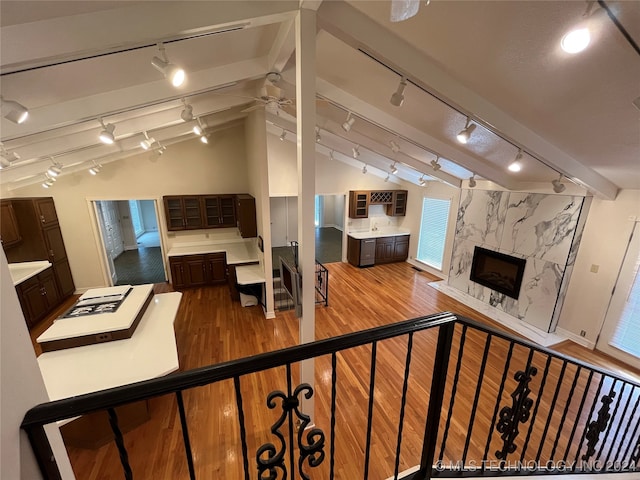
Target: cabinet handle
x,y
42,218
51,253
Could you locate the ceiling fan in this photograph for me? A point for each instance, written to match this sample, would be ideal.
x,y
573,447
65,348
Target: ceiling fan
x,y
272,98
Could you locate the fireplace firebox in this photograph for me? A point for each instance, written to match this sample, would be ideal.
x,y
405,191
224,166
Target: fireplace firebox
x,y
497,271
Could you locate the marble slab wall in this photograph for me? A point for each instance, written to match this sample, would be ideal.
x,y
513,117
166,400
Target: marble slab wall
x,y
543,229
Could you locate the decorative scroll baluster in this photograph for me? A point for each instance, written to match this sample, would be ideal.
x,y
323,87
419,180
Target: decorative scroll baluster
x,y
596,427
271,459
518,412
122,451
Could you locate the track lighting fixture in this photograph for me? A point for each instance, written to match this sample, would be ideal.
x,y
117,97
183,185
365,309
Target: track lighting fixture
x,y
397,99
4,163
147,141
356,151
435,165
161,149
48,181
95,169
395,148
578,38
204,139
472,181
55,169
422,181
331,155
386,179
558,186
172,72
14,111
6,158
106,135
186,114
516,165
394,169
283,135
465,133
197,129
364,168
318,137
346,126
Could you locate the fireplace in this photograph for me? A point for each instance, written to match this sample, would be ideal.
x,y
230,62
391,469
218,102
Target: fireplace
x,y
497,271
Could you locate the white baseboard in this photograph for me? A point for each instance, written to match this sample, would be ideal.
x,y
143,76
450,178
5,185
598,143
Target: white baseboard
x,y
576,338
426,268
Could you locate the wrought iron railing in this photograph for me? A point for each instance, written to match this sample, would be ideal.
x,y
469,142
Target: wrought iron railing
x,y
479,402
322,284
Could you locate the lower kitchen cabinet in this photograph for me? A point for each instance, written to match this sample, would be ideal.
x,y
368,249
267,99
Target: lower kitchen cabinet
x,y
38,296
361,252
232,279
198,270
371,251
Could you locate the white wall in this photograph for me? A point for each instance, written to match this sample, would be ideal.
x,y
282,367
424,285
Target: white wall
x,y
186,167
22,389
148,212
604,241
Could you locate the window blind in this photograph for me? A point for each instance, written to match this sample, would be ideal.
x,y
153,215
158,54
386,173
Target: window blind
x,y
627,334
433,231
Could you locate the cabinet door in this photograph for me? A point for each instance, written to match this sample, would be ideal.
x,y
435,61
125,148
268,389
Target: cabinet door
x,y
217,266
173,212
211,211
64,279
401,248
195,270
246,213
9,231
46,211
227,211
384,249
358,204
49,288
177,272
192,212
54,244
399,205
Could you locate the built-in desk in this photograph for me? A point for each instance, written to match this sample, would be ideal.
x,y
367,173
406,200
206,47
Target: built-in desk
x,y
250,274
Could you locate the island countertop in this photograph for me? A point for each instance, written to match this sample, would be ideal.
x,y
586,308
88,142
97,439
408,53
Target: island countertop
x,y
237,252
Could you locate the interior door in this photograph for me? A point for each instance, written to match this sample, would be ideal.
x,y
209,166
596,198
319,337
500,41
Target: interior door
x,y
112,222
107,240
622,298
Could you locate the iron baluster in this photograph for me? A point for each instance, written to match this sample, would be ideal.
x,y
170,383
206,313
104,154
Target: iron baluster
x,y
122,451
543,383
551,410
612,417
372,382
578,415
624,414
596,427
586,429
334,379
635,430
403,403
565,411
185,435
243,430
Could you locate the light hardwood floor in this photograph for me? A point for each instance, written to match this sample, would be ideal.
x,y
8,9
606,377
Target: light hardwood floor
x,y
211,329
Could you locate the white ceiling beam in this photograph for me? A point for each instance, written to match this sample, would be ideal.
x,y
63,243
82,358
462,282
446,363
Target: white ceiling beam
x,y
29,45
283,47
357,30
82,109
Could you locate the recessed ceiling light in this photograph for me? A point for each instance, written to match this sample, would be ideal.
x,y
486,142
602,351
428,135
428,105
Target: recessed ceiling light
x,y
576,40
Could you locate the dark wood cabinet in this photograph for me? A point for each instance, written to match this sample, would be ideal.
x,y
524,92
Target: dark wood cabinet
x,y
358,204
38,296
384,249
219,211
398,207
9,230
232,279
42,240
401,248
246,211
361,252
198,270
183,212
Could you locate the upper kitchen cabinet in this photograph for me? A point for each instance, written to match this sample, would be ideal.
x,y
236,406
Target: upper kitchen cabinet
x,y
183,212
394,201
46,211
358,204
398,205
246,212
9,230
219,211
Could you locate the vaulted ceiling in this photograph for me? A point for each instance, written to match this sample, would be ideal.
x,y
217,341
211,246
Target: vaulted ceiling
x,y
498,63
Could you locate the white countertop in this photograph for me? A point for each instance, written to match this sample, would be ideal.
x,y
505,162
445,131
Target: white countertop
x,y
250,274
237,252
121,319
25,270
383,232
150,352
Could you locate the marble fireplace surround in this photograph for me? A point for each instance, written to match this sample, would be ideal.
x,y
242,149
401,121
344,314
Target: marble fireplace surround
x,y
544,229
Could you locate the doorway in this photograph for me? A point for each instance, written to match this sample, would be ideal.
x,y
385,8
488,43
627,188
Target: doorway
x,y
620,334
131,241
329,227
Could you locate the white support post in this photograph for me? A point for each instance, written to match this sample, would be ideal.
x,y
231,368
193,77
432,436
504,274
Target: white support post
x,y
306,151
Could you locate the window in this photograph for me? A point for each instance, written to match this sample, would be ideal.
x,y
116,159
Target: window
x,y
433,231
136,218
627,334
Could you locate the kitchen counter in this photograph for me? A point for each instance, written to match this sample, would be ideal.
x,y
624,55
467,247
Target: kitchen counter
x,y
383,232
25,270
237,252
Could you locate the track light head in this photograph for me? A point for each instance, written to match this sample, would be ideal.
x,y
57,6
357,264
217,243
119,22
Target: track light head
x,y
318,137
422,181
147,141
4,163
197,130
187,114
283,135
578,38
465,133
516,165
558,186
397,99
14,111
95,169
106,135
204,139
395,148
472,181
173,73
394,169
55,169
386,179
364,168
435,165
346,126
356,151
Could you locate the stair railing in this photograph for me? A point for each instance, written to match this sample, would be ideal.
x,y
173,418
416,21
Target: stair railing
x,y
516,408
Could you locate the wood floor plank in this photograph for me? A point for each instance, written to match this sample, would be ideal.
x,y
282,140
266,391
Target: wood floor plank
x,y
210,328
